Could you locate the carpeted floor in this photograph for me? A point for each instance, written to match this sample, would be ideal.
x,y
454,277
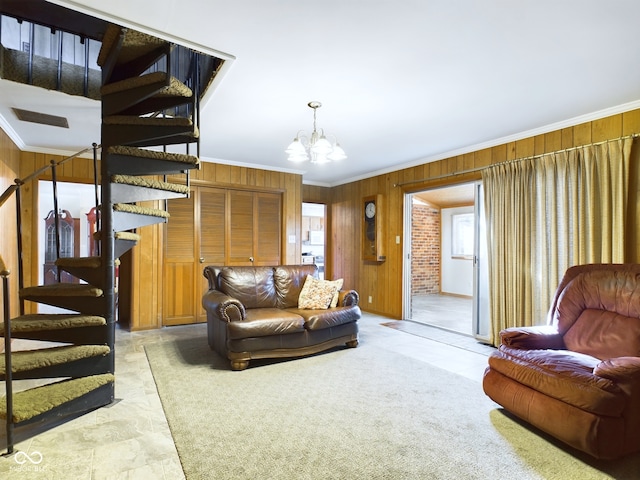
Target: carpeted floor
x,y
363,413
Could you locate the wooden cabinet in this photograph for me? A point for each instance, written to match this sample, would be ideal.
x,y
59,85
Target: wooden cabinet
x,y
215,226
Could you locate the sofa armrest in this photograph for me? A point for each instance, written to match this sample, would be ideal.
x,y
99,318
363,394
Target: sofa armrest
x,y
348,298
532,338
226,308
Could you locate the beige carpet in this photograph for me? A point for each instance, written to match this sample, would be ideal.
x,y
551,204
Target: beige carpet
x,y
359,413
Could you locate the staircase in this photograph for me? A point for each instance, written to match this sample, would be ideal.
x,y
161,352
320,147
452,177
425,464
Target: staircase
x,y
140,108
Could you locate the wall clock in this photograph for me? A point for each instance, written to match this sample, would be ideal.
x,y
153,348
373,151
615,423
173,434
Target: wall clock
x,y
372,229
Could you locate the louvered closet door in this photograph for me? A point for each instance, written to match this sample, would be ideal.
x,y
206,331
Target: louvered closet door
x,y
180,262
211,237
215,227
267,240
241,227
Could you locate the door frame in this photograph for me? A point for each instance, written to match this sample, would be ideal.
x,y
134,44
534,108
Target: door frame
x,y
478,311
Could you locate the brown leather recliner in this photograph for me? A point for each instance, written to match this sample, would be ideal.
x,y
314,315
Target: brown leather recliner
x,y
252,312
578,378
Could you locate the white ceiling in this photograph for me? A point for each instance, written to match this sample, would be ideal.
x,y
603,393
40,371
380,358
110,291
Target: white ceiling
x,y
402,82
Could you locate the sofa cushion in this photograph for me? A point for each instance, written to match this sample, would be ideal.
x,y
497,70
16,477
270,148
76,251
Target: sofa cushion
x,y
253,286
338,283
317,294
320,319
289,280
561,374
262,322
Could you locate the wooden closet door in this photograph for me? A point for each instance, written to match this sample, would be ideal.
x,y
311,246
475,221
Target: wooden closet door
x,y
240,233
215,226
267,240
180,262
210,231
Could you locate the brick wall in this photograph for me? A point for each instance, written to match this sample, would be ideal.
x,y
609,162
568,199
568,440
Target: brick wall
x,y
425,249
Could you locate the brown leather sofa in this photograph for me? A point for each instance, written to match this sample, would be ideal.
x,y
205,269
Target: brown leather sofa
x,y
578,378
252,312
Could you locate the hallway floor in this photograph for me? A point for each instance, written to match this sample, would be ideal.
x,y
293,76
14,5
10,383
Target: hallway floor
x,y
130,439
445,311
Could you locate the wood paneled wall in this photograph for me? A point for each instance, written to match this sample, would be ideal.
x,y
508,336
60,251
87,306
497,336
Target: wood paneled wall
x,y
9,171
144,266
383,281
380,281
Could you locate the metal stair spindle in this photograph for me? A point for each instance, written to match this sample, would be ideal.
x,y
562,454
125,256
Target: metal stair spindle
x,y
56,214
4,272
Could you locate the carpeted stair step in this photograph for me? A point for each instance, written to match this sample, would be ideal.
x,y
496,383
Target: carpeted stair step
x,y
139,161
152,92
60,399
75,297
128,188
147,131
127,53
124,241
64,361
85,268
73,328
128,217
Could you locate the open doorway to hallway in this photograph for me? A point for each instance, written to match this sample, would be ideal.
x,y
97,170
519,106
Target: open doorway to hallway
x,y
441,258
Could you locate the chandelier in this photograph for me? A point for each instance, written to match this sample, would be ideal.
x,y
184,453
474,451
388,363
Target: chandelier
x,y
316,147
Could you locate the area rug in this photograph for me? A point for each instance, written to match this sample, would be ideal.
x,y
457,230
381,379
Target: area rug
x,y
363,413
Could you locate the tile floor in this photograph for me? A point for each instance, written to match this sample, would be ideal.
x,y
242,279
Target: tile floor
x,y
445,311
131,439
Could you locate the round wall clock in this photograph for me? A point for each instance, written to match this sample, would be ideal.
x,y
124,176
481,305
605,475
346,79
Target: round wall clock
x,y
371,232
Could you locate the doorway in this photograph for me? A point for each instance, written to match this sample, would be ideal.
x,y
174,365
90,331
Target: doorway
x,y
313,235
76,202
442,261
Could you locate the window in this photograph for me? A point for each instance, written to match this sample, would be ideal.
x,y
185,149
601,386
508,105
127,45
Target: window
x,y
462,235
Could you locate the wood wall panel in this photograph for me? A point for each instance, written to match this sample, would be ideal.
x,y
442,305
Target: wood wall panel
x,y
9,171
383,281
143,305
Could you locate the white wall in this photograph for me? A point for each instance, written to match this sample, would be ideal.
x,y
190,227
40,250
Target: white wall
x,y
457,273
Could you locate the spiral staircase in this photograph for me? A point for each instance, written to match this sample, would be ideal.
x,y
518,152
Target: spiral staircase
x,y
143,105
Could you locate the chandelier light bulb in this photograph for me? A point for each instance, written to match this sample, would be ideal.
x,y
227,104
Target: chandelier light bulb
x,y
315,147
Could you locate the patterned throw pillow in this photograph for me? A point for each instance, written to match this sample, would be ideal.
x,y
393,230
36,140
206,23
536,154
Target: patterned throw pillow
x,y
317,294
338,283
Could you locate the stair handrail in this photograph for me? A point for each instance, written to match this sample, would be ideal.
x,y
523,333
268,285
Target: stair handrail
x,y
8,377
19,182
15,188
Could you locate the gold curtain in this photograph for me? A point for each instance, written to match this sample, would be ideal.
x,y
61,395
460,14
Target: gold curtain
x,y
546,214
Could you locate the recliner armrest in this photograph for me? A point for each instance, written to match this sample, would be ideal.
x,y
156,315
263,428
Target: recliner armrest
x,y
532,338
619,369
226,308
625,373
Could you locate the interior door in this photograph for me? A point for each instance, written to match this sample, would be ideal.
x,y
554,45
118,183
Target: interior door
x,y
212,205
180,262
194,238
215,226
480,270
